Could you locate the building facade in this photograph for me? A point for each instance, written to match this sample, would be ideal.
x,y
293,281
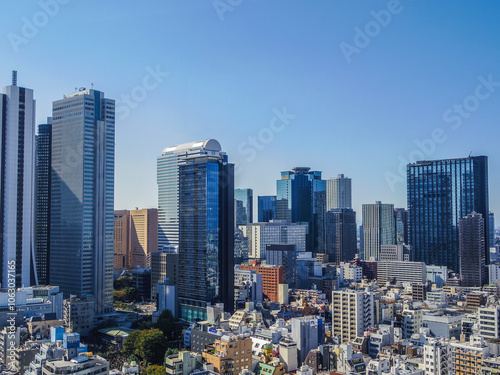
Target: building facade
x,y
301,198
352,313
206,233
17,172
440,193
341,235
378,228
243,203
472,243
82,199
266,208
338,193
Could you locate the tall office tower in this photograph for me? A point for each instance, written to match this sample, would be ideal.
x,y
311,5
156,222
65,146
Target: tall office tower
x,y
164,264
143,236
338,192
341,235
167,176
121,258
206,233
401,226
43,156
17,148
301,198
440,193
491,224
352,313
378,228
473,270
243,201
276,232
81,218
266,208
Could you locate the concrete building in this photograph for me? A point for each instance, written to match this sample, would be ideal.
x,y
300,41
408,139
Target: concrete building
x,y
400,253
443,323
275,232
272,277
411,272
164,264
352,313
467,358
184,363
121,245
308,333
289,354
230,354
493,273
17,170
352,273
283,255
79,365
338,192
418,291
437,357
341,235
78,315
136,237
489,322
378,228
39,326
437,275
412,321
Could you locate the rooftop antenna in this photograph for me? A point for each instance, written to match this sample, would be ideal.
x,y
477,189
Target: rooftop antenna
x,y
92,85
470,154
14,78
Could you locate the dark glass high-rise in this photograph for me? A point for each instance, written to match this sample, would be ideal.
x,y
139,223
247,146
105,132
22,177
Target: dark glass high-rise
x,y
440,193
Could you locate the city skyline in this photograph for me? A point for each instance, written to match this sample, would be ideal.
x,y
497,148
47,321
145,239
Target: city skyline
x,y
346,114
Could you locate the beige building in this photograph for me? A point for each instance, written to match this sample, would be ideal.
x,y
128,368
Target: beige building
x,y
136,237
230,354
352,313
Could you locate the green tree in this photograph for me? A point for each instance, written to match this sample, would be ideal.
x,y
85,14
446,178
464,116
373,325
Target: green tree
x,y
171,351
129,345
122,282
154,370
151,346
170,327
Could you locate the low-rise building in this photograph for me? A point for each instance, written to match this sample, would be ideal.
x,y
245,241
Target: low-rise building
x,y
230,354
183,363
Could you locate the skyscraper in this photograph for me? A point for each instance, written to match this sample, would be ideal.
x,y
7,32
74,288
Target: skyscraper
x,y
473,270
341,236
491,223
81,218
17,172
143,236
266,208
206,232
378,228
401,226
440,193
301,197
43,157
244,206
167,176
121,255
338,192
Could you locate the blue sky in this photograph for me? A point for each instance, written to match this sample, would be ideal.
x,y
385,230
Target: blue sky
x,y
226,68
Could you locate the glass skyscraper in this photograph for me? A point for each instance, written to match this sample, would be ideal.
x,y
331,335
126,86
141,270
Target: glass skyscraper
x,y
82,196
244,206
17,172
301,197
167,176
440,193
378,228
266,207
206,233
341,235
401,223
43,157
